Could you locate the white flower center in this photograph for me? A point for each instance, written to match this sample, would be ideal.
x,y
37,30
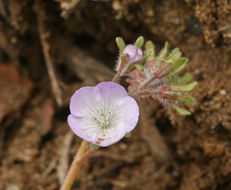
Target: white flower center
x,y
104,120
103,117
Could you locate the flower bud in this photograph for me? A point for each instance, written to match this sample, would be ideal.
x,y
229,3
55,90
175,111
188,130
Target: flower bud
x,y
133,52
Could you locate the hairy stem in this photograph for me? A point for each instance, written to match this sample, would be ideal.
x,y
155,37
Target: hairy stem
x,y
82,154
116,78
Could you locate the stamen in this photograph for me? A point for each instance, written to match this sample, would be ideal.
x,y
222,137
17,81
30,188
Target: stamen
x,y
104,121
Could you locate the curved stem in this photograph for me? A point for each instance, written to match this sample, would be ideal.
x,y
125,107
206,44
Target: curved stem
x,y
82,154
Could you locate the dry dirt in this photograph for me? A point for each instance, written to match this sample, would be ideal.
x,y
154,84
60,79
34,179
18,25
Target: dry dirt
x,y
166,151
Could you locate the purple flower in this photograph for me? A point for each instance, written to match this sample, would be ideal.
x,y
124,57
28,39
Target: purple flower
x,y
133,52
103,114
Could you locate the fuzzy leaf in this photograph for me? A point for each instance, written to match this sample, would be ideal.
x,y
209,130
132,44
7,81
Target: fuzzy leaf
x,y
185,88
163,53
150,50
178,66
139,67
139,42
120,43
186,78
186,99
146,55
179,62
181,111
174,55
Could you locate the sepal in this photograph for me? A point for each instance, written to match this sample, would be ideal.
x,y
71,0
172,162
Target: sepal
x,y
120,43
139,42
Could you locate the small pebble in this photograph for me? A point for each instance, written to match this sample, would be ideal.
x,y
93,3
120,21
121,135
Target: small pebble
x,y
116,5
12,187
223,92
123,146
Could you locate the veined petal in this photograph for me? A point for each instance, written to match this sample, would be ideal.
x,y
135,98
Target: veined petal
x,y
82,100
104,115
130,112
111,90
96,136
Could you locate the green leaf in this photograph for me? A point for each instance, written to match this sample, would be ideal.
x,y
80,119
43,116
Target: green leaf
x,y
139,42
146,55
186,78
181,111
139,67
163,53
150,50
120,43
178,66
186,99
94,146
174,55
185,88
179,62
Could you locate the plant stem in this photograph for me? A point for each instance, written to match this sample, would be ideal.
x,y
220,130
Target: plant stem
x,y
82,154
116,77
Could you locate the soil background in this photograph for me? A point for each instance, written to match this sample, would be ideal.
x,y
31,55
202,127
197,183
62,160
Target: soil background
x,y
76,40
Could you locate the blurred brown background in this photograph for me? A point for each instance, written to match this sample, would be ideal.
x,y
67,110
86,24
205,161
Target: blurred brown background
x,y
48,49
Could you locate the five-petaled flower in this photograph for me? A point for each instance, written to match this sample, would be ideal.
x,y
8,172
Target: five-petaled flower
x,y
103,114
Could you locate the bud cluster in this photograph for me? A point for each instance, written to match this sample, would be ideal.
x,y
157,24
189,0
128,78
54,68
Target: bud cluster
x,y
155,76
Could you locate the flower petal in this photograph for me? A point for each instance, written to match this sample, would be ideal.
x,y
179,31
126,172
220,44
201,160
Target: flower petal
x,y
81,128
129,109
82,100
111,90
75,125
103,114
